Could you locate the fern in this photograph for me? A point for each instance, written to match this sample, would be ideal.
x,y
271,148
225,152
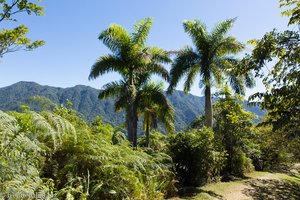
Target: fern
x,y
61,125
8,128
56,155
20,160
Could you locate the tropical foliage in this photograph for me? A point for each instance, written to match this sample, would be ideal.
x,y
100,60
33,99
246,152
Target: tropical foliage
x,y
15,39
211,60
155,106
52,153
233,129
282,96
56,155
293,10
195,158
135,62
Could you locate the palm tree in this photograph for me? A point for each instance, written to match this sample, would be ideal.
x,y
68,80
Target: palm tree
x,y
211,59
134,62
155,106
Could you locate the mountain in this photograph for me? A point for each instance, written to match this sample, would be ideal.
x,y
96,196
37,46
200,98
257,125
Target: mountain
x,y
85,100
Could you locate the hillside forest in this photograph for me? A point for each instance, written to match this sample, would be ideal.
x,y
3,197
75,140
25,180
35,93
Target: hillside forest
x,y
50,151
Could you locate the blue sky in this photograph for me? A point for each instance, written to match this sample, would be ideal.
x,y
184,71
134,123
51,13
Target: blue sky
x,y
71,30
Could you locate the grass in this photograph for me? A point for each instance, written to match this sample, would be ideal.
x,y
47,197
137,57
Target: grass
x,y
283,184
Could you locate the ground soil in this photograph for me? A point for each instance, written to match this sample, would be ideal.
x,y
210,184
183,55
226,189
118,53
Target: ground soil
x,y
280,184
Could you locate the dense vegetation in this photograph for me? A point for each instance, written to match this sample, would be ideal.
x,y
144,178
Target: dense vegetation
x,y
55,154
52,153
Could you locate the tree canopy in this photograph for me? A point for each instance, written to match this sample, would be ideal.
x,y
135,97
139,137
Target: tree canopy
x,y
135,62
293,10
15,39
211,60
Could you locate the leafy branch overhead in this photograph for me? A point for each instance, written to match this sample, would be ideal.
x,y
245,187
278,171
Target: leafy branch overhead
x,y
282,82
15,39
293,10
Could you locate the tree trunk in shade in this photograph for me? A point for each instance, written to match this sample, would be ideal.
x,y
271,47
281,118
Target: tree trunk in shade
x,y
208,108
154,120
147,134
132,124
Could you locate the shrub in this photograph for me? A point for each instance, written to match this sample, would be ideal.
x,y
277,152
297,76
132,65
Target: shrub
x,y
157,141
195,159
233,128
241,164
118,138
106,171
273,148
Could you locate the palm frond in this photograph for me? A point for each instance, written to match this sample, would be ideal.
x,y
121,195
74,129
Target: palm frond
x,y
158,55
228,66
190,78
166,115
198,32
112,89
141,31
237,84
116,38
121,103
229,45
221,29
105,64
153,100
143,77
158,69
186,59
225,63
249,80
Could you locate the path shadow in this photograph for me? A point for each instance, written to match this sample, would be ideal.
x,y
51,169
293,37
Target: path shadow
x,y
291,169
265,189
193,191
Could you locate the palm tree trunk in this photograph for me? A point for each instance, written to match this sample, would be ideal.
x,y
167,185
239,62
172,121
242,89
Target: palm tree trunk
x,y
132,124
208,108
154,121
147,134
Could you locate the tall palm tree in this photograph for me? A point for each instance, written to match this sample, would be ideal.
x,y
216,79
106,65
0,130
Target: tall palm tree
x,y
210,59
134,62
155,106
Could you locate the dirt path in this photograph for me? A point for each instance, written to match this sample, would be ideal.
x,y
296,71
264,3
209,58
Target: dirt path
x,y
283,185
263,186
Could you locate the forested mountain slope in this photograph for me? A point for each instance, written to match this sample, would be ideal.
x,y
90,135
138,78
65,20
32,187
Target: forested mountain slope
x,y
85,100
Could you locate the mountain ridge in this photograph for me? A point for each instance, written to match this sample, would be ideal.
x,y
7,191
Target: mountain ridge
x,y
85,100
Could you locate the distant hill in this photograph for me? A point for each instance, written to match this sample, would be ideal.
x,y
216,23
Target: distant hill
x,y
85,100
